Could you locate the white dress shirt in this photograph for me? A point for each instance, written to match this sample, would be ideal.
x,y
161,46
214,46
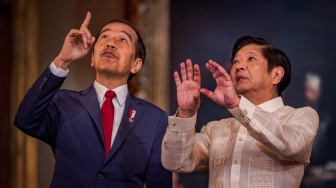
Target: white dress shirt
x,y
118,103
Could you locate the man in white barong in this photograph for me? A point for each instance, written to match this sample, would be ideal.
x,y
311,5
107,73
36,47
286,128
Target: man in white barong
x,y
265,144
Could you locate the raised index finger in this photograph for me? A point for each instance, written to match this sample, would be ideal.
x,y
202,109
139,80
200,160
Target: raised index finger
x,y
86,21
217,70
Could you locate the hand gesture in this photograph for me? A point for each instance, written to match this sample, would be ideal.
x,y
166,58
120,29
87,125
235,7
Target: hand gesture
x,y
188,90
225,93
76,44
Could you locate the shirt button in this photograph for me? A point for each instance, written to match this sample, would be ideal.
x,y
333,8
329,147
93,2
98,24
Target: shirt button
x,y
100,176
174,124
235,161
240,138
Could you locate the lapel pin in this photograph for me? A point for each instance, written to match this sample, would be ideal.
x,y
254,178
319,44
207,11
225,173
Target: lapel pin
x,y
131,115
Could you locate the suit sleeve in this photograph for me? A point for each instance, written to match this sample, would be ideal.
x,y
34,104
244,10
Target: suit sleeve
x,y
37,112
157,175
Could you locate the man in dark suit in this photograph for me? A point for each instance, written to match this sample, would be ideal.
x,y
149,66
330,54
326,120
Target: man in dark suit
x,y
72,124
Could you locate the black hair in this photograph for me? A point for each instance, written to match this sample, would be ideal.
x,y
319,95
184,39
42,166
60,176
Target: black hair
x,y
275,57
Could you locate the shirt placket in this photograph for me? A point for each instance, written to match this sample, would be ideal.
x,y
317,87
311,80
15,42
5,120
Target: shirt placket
x,y
237,157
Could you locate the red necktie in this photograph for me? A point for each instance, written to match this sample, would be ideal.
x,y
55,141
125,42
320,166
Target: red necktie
x,y
107,112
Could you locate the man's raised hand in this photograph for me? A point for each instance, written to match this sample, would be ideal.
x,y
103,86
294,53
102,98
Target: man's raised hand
x,y
224,93
76,45
188,89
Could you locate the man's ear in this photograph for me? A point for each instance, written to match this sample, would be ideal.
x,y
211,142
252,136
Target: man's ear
x,y
137,64
278,74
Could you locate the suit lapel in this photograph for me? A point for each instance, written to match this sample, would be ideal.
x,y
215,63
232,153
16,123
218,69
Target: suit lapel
x,y
126,125
89,100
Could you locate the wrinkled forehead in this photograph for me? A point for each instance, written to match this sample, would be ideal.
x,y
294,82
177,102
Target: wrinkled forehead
x,y
250,49
119,27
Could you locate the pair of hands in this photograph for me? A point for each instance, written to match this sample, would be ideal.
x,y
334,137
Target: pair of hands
x,y
76,45
189,88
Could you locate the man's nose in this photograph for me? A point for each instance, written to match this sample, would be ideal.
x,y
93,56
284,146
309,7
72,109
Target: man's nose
x,y
111,44
241,65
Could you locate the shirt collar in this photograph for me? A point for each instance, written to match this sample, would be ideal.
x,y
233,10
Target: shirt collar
x,y
120,91
272,105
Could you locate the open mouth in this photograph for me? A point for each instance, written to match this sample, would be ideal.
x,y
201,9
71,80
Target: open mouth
x,y
240,77
109,54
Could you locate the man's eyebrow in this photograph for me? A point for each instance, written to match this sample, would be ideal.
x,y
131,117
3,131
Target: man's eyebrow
x,y
125,32
102,31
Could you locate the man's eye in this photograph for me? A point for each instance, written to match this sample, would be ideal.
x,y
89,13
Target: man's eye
x,y
104,36
251,58
123,39
235,61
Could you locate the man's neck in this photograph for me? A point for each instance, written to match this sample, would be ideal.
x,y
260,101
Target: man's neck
x,y
259,99
111,83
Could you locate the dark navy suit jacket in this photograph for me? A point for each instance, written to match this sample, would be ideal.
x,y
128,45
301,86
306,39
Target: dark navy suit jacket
x,y
70,122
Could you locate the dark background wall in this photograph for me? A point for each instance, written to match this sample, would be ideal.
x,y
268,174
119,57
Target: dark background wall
x,y
5,72
304,30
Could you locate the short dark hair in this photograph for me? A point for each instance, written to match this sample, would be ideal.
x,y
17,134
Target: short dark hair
x,y
275,57
140,47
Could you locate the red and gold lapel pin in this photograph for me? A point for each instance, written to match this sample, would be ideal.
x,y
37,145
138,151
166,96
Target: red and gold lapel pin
x,y
131,115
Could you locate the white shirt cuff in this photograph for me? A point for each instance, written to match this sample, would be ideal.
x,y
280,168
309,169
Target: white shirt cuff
x,y
58,71
244,112
177,124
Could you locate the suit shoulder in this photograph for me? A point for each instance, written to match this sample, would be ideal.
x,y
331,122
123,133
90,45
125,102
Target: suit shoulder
x,y
67,95
68,92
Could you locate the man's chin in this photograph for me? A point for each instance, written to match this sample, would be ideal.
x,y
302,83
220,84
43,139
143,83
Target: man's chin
x,y
106,70
241,90
109,60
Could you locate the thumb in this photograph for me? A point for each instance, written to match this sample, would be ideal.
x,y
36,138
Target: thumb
x,y
207,93
196,96
92,40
